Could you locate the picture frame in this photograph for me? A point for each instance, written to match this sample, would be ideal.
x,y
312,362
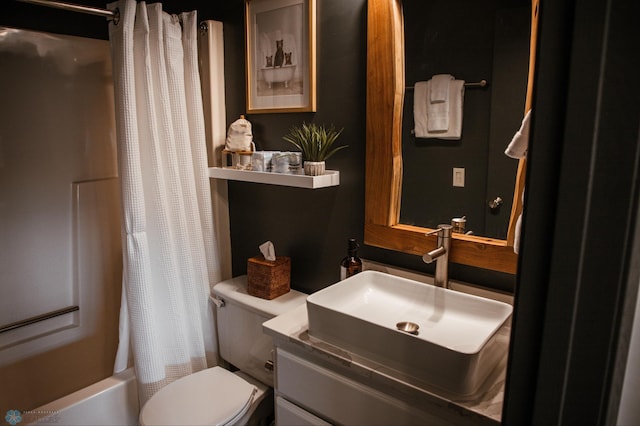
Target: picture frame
x,y
280,49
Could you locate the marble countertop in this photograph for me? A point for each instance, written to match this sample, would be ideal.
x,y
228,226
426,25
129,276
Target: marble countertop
x,y
485,407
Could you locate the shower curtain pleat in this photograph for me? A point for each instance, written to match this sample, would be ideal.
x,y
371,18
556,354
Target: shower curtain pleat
x,y
168,237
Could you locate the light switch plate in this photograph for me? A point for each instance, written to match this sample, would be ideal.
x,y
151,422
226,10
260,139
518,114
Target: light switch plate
x,y
458,177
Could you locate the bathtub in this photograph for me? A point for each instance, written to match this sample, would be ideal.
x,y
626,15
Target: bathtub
x,y
112,401
282,74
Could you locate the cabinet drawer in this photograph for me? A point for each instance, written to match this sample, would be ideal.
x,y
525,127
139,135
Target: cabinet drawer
x,y
340,399
288,414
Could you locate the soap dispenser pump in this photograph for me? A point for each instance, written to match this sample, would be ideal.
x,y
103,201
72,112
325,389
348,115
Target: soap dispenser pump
x,y
351,264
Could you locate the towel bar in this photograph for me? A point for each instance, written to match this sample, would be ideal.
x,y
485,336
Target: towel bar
x,y
37,318
481,83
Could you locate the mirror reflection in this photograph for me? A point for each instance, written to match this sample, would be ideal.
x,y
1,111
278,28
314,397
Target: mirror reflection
x,y
471,41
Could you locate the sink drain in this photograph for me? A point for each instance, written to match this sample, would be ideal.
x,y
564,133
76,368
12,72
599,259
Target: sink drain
x,y
408,327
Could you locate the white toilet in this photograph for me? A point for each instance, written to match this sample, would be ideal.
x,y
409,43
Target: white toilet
x,y
216,396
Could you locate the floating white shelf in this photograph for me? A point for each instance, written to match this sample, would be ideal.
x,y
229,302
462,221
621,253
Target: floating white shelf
x,y
329,178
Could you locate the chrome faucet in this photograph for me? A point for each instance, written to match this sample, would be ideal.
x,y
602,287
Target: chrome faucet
x,y
441,255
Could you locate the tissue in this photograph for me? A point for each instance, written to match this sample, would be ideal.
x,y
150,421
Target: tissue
x,y
268,251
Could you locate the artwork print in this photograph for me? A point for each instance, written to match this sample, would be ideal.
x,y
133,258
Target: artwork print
x,y
280,62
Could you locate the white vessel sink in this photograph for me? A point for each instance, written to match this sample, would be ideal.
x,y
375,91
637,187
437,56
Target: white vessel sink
x,y
455,348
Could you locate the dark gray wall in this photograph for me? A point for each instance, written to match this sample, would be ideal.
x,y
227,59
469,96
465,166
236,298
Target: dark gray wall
x,y
508,96
312,226
473,41
456,39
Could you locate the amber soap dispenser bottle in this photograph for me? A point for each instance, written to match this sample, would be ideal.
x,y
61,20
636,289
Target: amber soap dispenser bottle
x,y
351,264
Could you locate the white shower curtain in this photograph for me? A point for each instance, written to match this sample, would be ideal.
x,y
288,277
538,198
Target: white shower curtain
x,y
168,237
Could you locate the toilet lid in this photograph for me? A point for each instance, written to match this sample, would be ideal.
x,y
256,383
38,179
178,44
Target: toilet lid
x,y
209,397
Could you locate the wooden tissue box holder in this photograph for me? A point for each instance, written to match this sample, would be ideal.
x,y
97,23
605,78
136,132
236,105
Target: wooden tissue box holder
x,y
268,279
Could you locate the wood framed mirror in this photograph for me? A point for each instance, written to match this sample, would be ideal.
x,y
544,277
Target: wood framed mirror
x,y
383,178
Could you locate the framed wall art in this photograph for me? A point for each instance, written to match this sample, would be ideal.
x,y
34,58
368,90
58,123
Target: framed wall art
x,y
280,55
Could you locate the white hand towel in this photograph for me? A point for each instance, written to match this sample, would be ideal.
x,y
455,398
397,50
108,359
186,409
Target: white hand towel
x,y
420,109
455,108
437,113
518,230
517,233
456,105
440,88
518,146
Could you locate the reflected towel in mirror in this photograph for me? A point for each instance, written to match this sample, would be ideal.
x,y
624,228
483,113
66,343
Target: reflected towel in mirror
x,y
440,88
437,112
517,148
423,109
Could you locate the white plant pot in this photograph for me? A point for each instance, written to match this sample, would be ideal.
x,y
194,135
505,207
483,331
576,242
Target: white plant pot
x,y
314,168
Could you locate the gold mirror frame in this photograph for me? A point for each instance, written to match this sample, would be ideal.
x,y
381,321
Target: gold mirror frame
x,y
383,178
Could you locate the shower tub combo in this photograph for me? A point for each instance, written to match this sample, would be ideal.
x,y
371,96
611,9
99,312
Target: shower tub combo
x,y
112,401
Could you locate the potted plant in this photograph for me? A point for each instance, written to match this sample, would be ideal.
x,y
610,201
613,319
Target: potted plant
x,y
316,144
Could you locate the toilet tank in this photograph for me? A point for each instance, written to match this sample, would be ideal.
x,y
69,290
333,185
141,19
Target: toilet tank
x,y
239,324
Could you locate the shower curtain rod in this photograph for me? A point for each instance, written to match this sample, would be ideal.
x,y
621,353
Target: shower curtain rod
x,y
113,15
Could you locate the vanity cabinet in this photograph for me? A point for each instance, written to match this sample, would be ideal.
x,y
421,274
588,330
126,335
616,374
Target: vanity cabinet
x,y
308,392
288,413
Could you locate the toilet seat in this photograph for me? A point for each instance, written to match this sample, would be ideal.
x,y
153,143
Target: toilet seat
x,y
214,396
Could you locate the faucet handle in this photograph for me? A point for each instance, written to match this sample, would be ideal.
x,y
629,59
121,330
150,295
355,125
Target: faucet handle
x,y
444,228
433,231
433,254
